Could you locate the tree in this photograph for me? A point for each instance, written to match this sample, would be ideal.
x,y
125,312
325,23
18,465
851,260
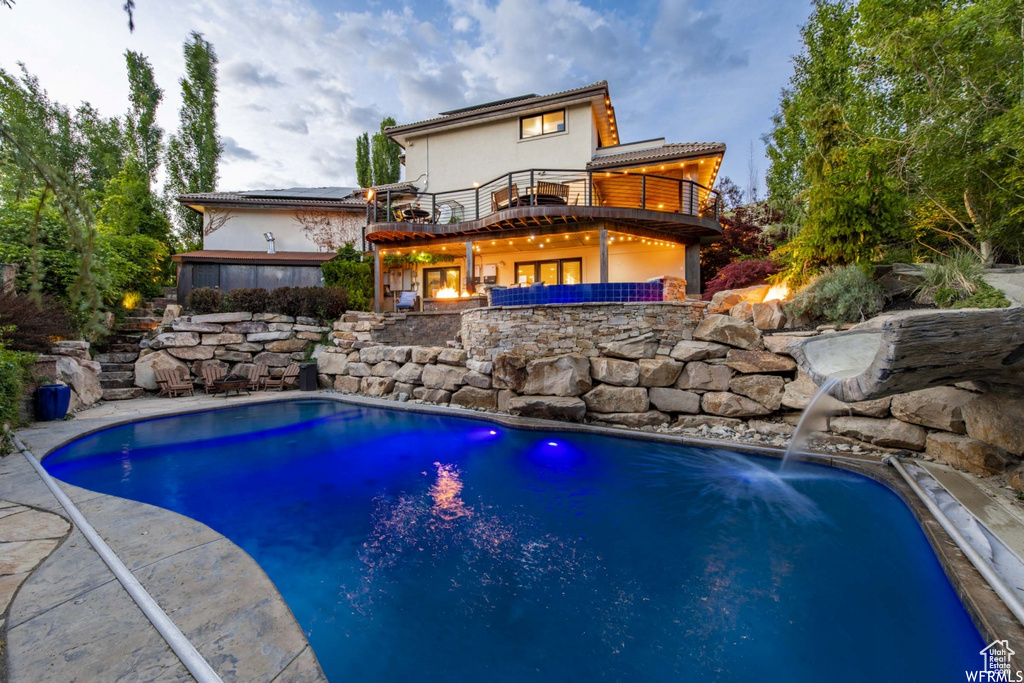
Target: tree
x,y
732,195
130,208
193,153
145,138
364,172
386,156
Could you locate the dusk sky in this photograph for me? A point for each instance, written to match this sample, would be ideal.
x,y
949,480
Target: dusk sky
x,y
299,79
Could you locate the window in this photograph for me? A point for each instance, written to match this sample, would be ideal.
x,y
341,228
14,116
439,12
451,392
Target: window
x,y
436,279
542,124
561,272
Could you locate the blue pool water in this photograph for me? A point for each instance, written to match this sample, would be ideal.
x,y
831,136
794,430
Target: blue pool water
x,y
419,547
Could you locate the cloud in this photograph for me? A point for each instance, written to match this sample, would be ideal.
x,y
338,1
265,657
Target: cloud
x,y
246,74
296,125
235,152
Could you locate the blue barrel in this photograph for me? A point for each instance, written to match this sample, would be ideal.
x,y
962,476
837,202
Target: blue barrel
x,y
52,401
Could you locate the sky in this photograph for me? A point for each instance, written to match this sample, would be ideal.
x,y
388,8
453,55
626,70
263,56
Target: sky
x,y
300,79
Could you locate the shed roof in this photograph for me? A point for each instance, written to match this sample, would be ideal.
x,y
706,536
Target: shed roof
x,y
281,258
673,150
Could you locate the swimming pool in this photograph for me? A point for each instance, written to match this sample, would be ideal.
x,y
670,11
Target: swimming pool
x,y
423,547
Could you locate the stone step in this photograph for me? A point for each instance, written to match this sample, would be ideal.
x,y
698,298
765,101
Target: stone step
x,y
117,367
122,394
122,357
117,383
163,301
124,374
145,325
122,347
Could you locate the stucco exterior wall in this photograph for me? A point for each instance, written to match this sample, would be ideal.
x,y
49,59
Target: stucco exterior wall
x,y
456,159
244,230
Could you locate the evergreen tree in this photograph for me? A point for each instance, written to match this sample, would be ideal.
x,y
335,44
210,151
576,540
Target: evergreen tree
x,y
386,156
145,138
364,172
193,153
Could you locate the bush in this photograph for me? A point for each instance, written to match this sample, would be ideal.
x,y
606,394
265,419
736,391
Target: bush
x,y
986,296
253,300
839,295
952,279
34,327
287,300
133,263
325,303
742,238
15,373
205,300
331,303
355,276
739,274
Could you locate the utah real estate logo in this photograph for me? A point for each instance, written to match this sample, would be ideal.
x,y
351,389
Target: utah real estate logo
x,y
996,665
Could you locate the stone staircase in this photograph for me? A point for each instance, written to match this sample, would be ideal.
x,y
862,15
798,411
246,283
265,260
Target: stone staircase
x,y
120,349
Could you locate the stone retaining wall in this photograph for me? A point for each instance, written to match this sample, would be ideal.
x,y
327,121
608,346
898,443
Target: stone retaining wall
x,y
538,331
728,381
397,329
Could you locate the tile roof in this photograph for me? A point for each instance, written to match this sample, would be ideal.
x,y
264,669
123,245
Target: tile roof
x,y
523,101
290,258
669,151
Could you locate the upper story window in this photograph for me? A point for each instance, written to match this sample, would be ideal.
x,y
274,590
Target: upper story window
x,y
542,124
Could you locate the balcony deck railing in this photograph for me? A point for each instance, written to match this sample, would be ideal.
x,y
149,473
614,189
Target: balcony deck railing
x,y
544,187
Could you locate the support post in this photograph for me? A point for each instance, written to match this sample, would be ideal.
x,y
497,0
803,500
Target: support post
x,y
691,268
603,240
470,287
378,280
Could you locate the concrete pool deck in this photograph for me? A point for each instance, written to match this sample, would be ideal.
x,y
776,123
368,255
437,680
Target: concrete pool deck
x,y
71,619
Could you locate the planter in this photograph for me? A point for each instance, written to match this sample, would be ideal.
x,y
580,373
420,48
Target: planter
x,y
52,401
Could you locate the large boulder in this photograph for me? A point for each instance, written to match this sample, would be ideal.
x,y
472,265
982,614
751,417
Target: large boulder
x,y
425,355
192,352
765,389
659,372
996,420
704,377
168,339
779,343
358,369
744,311
750,362
222,317
799,393
287,345
644,346
267,336
936,407
332,364
385,368
223,339
885,433
725,329
371,355
606,398
452,357
376,386
567,375
968,454
347,385
273,360
146,367
650,418
769,315
622,373
249,327
82,380
475,397
731,405
688,350
674,400
171,313
445,377
722,301
508,371
189,326
570,408
410,373
477,379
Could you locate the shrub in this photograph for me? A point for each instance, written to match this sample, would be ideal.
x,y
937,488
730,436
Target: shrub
x,y
205,300
839,295
742,238
35,326
333,301
134,263
287,300
986,296
325,303
739,274
252,300
355,276
15,373
952,278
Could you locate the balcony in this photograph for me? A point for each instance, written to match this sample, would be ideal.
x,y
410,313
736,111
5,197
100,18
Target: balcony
x,y
539,198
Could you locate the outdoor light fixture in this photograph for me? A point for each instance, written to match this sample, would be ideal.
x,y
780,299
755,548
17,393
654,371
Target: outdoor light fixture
x,y
269,237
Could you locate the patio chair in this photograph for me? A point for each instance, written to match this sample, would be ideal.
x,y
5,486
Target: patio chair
x,y
501,198
406,301
173,382
288,379
211,373
258,375
553,190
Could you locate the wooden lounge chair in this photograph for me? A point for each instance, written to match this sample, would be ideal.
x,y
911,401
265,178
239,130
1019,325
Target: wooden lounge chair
x,y
501,198
258,375
173,382
211,373
553,190
288,379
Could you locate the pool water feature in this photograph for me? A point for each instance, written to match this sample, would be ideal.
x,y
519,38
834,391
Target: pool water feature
x,y
422,547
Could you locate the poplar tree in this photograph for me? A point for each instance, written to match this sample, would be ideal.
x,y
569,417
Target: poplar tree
x,y
386,156
145,138
364,172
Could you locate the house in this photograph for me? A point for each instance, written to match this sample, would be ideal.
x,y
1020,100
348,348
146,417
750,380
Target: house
x,y
539,189
269,238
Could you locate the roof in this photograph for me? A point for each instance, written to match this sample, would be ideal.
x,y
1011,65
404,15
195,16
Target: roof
x,y
342,198
282,258
673,150
403,186
514,104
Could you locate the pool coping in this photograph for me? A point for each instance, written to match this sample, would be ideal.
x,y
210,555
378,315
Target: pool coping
x,y
990,615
